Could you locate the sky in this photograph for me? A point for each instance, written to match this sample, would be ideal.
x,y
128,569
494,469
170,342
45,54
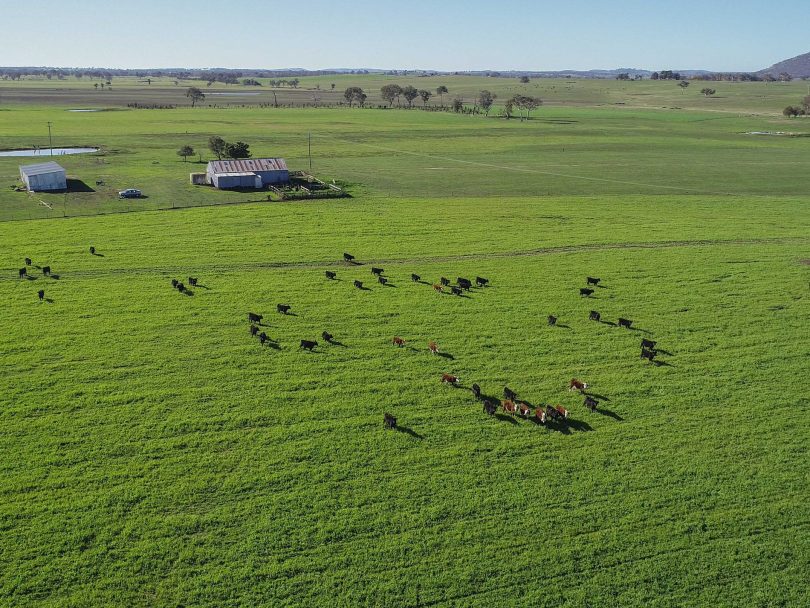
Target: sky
x,y
718,35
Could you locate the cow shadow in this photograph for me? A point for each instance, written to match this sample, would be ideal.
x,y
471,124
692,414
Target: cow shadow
x,y
600,286
611,323
664,352
187,292
562,326
353,263
446,356
28,277
659,363
609,413
408,431
560,427
55,277
390,285
505,418
363,288
288,314
49,300
273,344
596,396
97,254
336,343
579,425
201,286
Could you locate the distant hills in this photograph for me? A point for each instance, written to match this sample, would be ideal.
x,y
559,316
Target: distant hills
x,y
798,67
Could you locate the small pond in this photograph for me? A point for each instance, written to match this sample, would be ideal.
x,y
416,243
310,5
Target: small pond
x,y
46,152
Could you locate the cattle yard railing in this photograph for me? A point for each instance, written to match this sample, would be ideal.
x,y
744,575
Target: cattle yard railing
x,y
304,186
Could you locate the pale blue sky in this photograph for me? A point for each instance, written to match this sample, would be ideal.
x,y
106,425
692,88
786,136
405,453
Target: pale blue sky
x,y
723,35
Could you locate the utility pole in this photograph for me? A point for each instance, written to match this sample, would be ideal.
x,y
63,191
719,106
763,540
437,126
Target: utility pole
x,y
50,139
309,143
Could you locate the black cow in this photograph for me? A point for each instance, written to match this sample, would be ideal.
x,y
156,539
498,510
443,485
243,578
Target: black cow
x,y
181,287
647,354
455,290
174,283
358,284
23,272
327,336
41,294
645,343
593,281
509,394
27,261
254,318
481,281
377,271
595,316
262,338
490,407
585,291
463,283
415,278
308,344
348,257
552,320
591,403
253,330
92,251
389,421
553,413
625,323
381,280
283,308
46,270
330,275
192,281
445,282
476,391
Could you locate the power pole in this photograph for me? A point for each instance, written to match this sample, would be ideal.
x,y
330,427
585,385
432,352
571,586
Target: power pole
x,y
50,139
309,144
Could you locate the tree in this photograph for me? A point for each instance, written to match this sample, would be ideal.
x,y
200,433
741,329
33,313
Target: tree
x,y
390,93
195,95
785,77
708,92
425,95
95,84
526,103
294,83
410,93
458,105
440,91
238,150
508,108
185,152
485,100
654,76
790,112
524,79
351,94
217,145
806,103
360,97
333,86
683,84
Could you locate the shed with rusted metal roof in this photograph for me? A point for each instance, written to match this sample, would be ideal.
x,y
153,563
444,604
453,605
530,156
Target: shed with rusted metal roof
x,y
247,173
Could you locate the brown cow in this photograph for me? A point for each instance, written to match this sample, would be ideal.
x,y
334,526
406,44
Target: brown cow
x,y
577,385
397,341
434,348
540,415
523,410
562,411
450,379
437,288
508,406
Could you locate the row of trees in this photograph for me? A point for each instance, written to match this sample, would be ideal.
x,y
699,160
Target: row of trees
x,y
800,110
222,148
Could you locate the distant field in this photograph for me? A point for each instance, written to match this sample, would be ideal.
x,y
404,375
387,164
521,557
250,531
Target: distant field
x,y
153,454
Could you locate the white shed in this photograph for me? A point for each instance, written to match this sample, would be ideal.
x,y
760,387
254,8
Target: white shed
x,y
43,176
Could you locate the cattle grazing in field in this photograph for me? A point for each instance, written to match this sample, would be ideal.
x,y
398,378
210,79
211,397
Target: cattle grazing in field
x,y
27,261
389,421
562,411
433,347
625,323
376,271
397,341
283,308
552,320
456,291
253,330
450,379
254,318
595,316
577,385
647,354
174,283
444,281
415,278
192,281
490,407
23,272
481,281
593,281
584,291
463,283
509,394
46,270
382,280
508,406
476,391
552,413
540,415
41,294
330,275
435,287
645,343
262,338
348,257
181,288
523,410
92,251
590,403
358,284
327,337
308,344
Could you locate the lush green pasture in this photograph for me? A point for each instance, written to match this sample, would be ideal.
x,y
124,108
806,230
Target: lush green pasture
x,y
561,151
153,454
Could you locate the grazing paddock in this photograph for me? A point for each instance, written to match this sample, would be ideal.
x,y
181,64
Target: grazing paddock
x,y
153,454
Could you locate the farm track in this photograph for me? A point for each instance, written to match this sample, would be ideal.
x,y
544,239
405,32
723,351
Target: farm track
x,y
539,251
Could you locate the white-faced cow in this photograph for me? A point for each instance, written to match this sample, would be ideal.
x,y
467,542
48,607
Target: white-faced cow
x,y
450,379
523,410
577,385
397,341
562,411
508,406
433,347
540,415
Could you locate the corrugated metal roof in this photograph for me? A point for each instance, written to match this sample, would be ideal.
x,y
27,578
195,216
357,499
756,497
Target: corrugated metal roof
x,y
235,174
248,165
40,168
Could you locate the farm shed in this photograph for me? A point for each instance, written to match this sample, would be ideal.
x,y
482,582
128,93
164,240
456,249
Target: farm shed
x,y
236,173
43,176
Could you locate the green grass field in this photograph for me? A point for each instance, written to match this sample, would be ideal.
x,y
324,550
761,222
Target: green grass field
x,y
153,454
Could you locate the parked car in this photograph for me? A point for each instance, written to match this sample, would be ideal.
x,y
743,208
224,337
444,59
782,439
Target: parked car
x,y
129,193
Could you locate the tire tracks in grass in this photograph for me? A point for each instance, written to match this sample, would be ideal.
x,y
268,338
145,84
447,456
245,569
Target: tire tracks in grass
x,y
423,259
